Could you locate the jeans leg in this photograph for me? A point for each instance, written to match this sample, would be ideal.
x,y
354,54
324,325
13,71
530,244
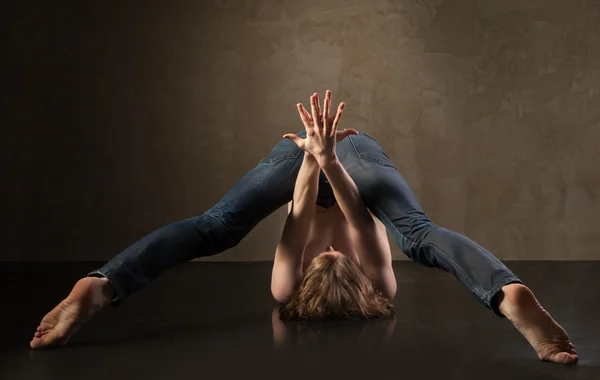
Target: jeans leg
x,y
263,190
389,196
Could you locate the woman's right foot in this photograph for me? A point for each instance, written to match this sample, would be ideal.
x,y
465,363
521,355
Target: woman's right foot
x,y
88,297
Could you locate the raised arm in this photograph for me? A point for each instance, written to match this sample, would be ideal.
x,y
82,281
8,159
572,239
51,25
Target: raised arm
x,y
289,255
320,142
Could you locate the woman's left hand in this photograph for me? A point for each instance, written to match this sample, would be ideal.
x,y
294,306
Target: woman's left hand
x,y
321,130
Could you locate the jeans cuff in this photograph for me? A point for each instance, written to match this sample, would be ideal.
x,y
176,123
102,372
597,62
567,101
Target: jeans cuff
x,y
493,302
118,298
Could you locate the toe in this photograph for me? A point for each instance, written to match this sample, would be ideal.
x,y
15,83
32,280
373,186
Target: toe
x,y
39,343
570,349
575,358
564,358
35,343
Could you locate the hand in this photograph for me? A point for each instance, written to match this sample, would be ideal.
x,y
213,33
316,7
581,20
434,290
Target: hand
x,y
321,130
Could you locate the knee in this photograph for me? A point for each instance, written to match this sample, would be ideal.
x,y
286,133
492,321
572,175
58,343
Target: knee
x,y
416,235
217,233
419,230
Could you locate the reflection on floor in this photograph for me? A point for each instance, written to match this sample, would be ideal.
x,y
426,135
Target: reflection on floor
x,y
216,321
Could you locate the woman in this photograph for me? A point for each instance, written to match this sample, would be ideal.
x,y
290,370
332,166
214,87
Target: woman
x,y
358,169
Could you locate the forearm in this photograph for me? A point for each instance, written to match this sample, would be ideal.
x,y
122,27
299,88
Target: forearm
x,y
306,189
347,194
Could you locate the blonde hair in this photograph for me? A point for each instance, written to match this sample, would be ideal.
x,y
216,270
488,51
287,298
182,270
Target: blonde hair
x,y
334,287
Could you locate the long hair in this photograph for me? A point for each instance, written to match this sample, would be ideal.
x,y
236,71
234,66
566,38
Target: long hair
x,y
334,287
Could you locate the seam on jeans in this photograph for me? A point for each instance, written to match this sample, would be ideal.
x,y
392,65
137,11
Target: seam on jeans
x,y
366,134
354,146
281,157
396,228
478,288
363,157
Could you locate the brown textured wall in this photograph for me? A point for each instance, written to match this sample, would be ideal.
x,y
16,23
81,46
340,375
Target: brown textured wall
x,y
123,118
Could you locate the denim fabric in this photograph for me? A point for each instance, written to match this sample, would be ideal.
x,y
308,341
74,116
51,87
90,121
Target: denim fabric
x,y
270,185
325,198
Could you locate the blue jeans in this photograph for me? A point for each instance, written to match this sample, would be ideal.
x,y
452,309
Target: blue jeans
x,y
270,185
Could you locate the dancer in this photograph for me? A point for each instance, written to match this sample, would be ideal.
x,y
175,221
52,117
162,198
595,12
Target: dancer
x,y
357,170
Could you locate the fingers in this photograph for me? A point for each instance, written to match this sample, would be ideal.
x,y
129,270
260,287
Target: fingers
x,y
296,139
306,113
315,114
317,120
339,136
318,106
326,108
305,117
338,116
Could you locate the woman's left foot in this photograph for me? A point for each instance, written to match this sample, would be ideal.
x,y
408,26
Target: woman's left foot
x,y
545,335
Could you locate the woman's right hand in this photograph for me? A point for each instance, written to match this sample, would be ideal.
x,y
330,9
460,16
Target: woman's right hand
x,y
321,130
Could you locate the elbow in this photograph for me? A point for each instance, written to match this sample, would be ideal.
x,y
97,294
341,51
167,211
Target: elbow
x,y
283,288
389,291
281,294
286,276
383,279
281,299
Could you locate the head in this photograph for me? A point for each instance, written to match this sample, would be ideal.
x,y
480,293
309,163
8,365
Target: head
x,y
334,287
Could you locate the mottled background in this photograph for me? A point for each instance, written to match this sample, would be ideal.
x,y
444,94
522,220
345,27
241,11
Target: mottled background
x,y
121,117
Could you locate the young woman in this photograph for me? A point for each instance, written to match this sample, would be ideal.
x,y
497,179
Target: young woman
x,y
331,262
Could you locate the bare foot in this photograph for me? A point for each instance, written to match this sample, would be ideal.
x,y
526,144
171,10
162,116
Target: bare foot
x,y
88,297
547,337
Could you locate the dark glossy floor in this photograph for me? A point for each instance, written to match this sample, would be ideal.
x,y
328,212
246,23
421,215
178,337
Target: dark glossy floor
x,y
214,321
